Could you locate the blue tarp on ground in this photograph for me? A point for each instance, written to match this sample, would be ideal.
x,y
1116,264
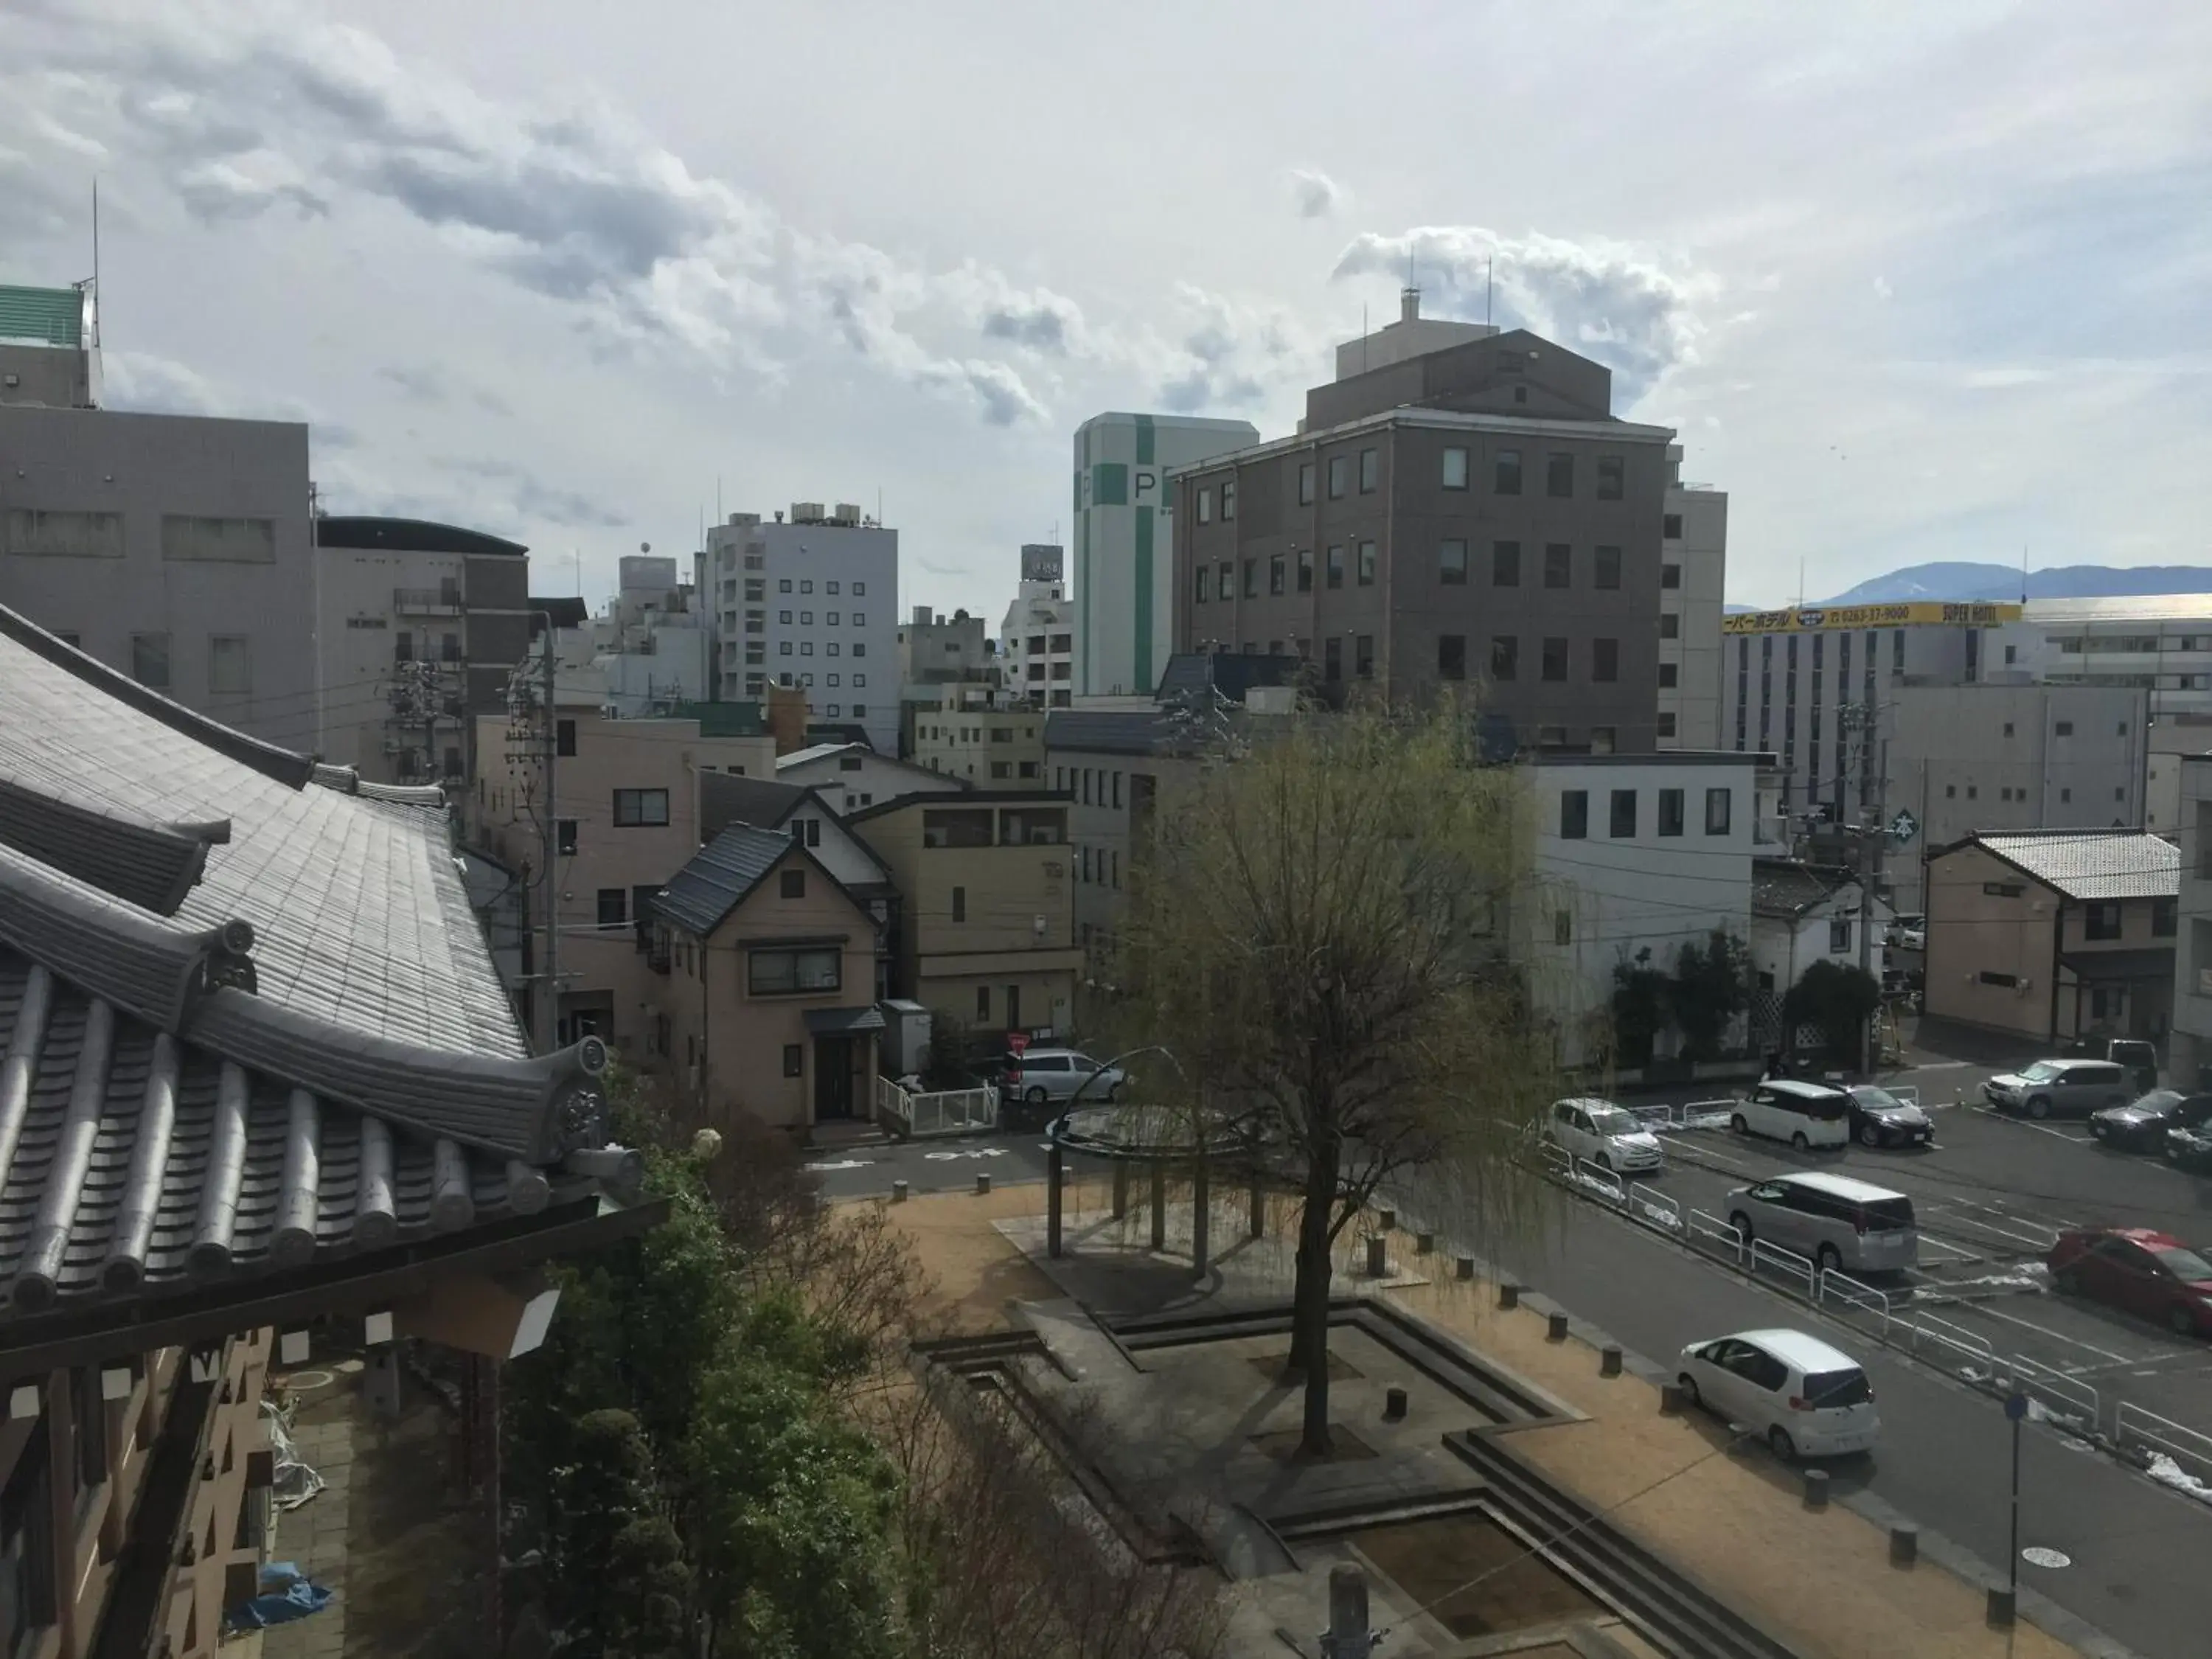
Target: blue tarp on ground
x,y
286,1594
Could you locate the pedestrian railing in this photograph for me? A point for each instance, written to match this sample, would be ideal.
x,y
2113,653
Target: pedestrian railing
x,y
1924,1333
1839,1291
1788,1263
2062,1396
1601,1182
1659,1208
1659,1116
1713,1232
2146,1434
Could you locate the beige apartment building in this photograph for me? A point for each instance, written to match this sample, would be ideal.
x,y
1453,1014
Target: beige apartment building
x,y
986,937
766,972
987,740
2055,934
626,816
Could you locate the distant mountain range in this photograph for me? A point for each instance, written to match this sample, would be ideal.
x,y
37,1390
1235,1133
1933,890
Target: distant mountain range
x,y
1963,580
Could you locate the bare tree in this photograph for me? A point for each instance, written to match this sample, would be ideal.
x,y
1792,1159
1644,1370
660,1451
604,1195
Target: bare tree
x,y
1315,933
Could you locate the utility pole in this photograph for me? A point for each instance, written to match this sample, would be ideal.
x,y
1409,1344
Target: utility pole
x,y
548,1015
1864,718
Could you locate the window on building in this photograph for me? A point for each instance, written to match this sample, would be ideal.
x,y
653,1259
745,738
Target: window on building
x,y
2100,919
1228,500
1367,564
1840,934
637,809
1559,476
2164,917
614,907
1002,768
1505,473
1339,476
1363,656
1605,567
1666,723
1670,575
564,736
1669,674
2065,728
794,1060
564,837
1451,656
1504,657
1305,483
1719,804
1306,570
1670,625
1224,579
1198,583
1991,977
230,665
1574,814
1605,659
982,1005
1451,563
1623,823
1251,579
1333,576
403,647
1558,565
783,586
1611,470
793,884
794,972
1275,574
1369,470
1670,812
149,660
805,586
1332,659
1205,507
960,894
219,541
1455,469
1506,564
1555,658
782,617
1562,921
1670,527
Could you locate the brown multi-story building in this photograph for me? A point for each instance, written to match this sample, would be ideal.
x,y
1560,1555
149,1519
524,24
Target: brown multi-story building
x,y
1474,514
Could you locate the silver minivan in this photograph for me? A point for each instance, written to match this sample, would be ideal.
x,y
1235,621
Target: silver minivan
x,y
1832,1219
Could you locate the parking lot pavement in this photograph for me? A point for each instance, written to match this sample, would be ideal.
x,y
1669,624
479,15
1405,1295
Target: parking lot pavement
x,y
1990,1196
929,1166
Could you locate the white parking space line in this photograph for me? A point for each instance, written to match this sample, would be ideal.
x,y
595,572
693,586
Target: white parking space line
x,y
2057,1336
1929,1241
2040,1128
2021,1229
2181,1359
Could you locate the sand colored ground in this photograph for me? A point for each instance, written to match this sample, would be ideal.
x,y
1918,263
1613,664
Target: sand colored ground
x,y
1734,1520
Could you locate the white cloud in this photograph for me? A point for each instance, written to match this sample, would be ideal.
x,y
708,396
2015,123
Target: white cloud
x,y
1315,194
1882,291
1625,306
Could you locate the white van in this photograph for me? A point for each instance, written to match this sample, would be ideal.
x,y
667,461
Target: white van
x,y
1831,1219
1806,1115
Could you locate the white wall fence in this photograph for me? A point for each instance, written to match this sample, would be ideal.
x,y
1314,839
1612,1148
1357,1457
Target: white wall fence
x,y
946,1112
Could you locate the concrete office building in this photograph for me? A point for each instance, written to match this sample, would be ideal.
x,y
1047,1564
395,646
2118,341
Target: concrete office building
x,y
1966,759
422,626
2189,1063
1471,516
811,604
1124,583
172,547
1693,581
655,641
2161,643
1786,674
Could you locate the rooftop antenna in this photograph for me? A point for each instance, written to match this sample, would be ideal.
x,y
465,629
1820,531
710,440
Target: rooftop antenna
x,y
95,259
1489,290
718,498
1363,336
1800,580
576,556
2023,572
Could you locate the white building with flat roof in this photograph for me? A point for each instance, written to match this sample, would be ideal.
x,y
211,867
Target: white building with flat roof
x,y
1692,583
2161,643
1124,586
811,604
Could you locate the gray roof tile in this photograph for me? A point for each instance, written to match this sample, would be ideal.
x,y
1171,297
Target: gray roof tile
x,y
701,896
2094,864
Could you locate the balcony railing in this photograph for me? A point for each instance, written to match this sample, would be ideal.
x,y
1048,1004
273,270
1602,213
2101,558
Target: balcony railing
x,y
426,601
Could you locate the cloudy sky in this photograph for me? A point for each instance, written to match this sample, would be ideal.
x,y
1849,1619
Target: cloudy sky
x,y
1913,282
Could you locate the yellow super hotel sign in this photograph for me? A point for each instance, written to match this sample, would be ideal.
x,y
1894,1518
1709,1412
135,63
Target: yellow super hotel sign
x,y
1841,618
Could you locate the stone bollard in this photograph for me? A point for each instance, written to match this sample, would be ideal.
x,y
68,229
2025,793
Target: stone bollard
x,y
898,1192
2001,1611
1467,1267
1393,1405
982,1186
1425,1243
1387,1220
1816,1489
1558,1331
1671,1400
1378,1256
1509,1295
1904,1546
1609,1361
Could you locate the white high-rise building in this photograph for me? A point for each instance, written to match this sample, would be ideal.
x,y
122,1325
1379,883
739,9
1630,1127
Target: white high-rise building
x,y
1037,640
1124,585
812,603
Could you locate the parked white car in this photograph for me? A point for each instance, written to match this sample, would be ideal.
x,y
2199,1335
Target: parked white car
x,y
1598,1131
1806,1398
1806,1115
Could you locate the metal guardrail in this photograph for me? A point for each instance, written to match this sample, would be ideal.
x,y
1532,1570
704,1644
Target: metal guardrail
x,y
1662,1209
2065,1396
1764,1255
1923,1328
1853,1295
2135,1430
1603,1181
1705,1226
946,1112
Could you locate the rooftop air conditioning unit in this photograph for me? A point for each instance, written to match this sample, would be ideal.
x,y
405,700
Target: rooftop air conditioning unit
x,y
806,513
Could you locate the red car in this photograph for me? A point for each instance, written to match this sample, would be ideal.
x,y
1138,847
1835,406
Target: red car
x,y
2150,1274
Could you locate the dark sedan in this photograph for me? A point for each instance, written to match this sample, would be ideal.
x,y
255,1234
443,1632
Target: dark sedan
x,y
1879,1118
2190,1146
2141,1125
